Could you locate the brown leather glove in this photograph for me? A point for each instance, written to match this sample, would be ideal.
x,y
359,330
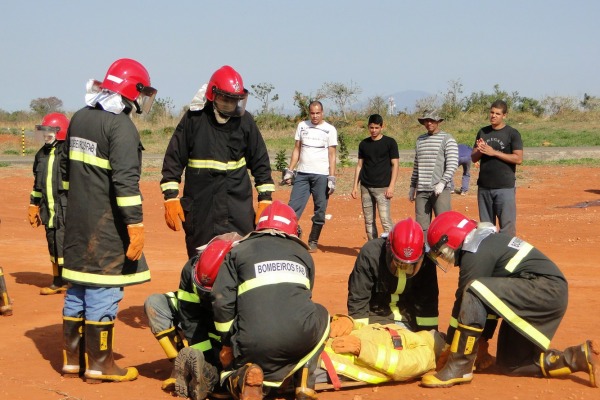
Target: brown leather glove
x,y
260,208
340,326
226,356
484,359
136,241
34,216
346,344
443,358
174,214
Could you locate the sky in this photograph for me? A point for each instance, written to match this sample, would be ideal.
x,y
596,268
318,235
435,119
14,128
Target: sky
x,y
537,48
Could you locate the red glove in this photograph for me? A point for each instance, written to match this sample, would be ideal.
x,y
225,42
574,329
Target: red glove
x,y
346,344
136,241
260,208
226,356
173,214
341,326
34,215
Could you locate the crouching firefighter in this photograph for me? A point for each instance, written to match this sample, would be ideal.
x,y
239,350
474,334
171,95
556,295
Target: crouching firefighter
x,y
264,344
504,276
183,322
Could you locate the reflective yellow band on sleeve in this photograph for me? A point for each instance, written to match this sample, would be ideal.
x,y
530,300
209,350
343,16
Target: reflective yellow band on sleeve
x,y
65,185
427,321
169,186
129,201
202,346
36,194
223,326
214,337
89,159
267,187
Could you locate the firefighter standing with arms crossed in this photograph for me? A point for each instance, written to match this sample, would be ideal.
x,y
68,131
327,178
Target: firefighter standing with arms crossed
x,y
216,142
48,199
104,234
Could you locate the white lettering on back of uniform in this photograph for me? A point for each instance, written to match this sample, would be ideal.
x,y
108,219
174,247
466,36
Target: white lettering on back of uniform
x,y
516,243
279,266
83,145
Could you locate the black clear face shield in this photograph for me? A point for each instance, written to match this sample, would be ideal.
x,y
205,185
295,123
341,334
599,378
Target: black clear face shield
x,y
441,252
47,132
229,104
145,99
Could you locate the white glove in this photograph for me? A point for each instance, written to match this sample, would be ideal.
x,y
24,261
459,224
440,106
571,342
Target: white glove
x,y
330,184
288,174
439,188
411,193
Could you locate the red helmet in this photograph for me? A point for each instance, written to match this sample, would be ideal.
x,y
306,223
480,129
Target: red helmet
x,y
450,228
130,79
55,123
406,241
279,216
226,90
207,266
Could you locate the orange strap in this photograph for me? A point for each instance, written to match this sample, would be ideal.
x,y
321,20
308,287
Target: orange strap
x,y
333,376
396,339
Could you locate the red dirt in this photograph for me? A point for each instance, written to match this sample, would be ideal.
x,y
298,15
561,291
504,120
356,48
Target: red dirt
x,y
30,345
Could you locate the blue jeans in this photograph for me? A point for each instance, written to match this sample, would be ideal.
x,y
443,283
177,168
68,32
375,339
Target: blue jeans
x,y
374,199
306,185
465,163
99,304
498,205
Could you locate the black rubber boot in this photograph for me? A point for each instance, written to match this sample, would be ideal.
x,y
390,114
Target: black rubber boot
x,y
582,358
194,377
73,348
100,362
313,238
459,367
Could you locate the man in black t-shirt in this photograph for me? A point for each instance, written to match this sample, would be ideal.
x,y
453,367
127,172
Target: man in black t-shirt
x,y
500,149
376,170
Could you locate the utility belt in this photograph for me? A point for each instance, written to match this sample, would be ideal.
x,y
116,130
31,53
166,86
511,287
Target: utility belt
x,y
396,338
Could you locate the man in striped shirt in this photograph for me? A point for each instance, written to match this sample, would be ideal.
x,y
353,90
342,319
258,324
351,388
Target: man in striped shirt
x,y
436,160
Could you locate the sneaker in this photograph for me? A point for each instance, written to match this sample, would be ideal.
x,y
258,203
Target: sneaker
x,y
464,193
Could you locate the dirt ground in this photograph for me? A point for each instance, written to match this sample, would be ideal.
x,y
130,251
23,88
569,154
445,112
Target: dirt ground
x,y
557,212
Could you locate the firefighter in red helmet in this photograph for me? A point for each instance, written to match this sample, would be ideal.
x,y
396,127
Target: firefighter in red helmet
x,y
267,343
182,321
392,281
48,199
505,277
216,142
104,233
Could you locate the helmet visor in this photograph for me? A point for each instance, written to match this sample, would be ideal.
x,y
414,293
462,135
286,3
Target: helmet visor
x,y
145,98
47,132
443,256
229,104
410,269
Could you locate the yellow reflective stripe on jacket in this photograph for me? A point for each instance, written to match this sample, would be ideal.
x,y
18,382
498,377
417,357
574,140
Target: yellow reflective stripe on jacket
x,y
214,337
510,316
453,322
129,201
202,346
273,280
518,257
212,164
85,158
36,194
267,187
169,186
427,321
187,296
65,185
49,189
223,326
394,298
344,365
109,280
173,300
